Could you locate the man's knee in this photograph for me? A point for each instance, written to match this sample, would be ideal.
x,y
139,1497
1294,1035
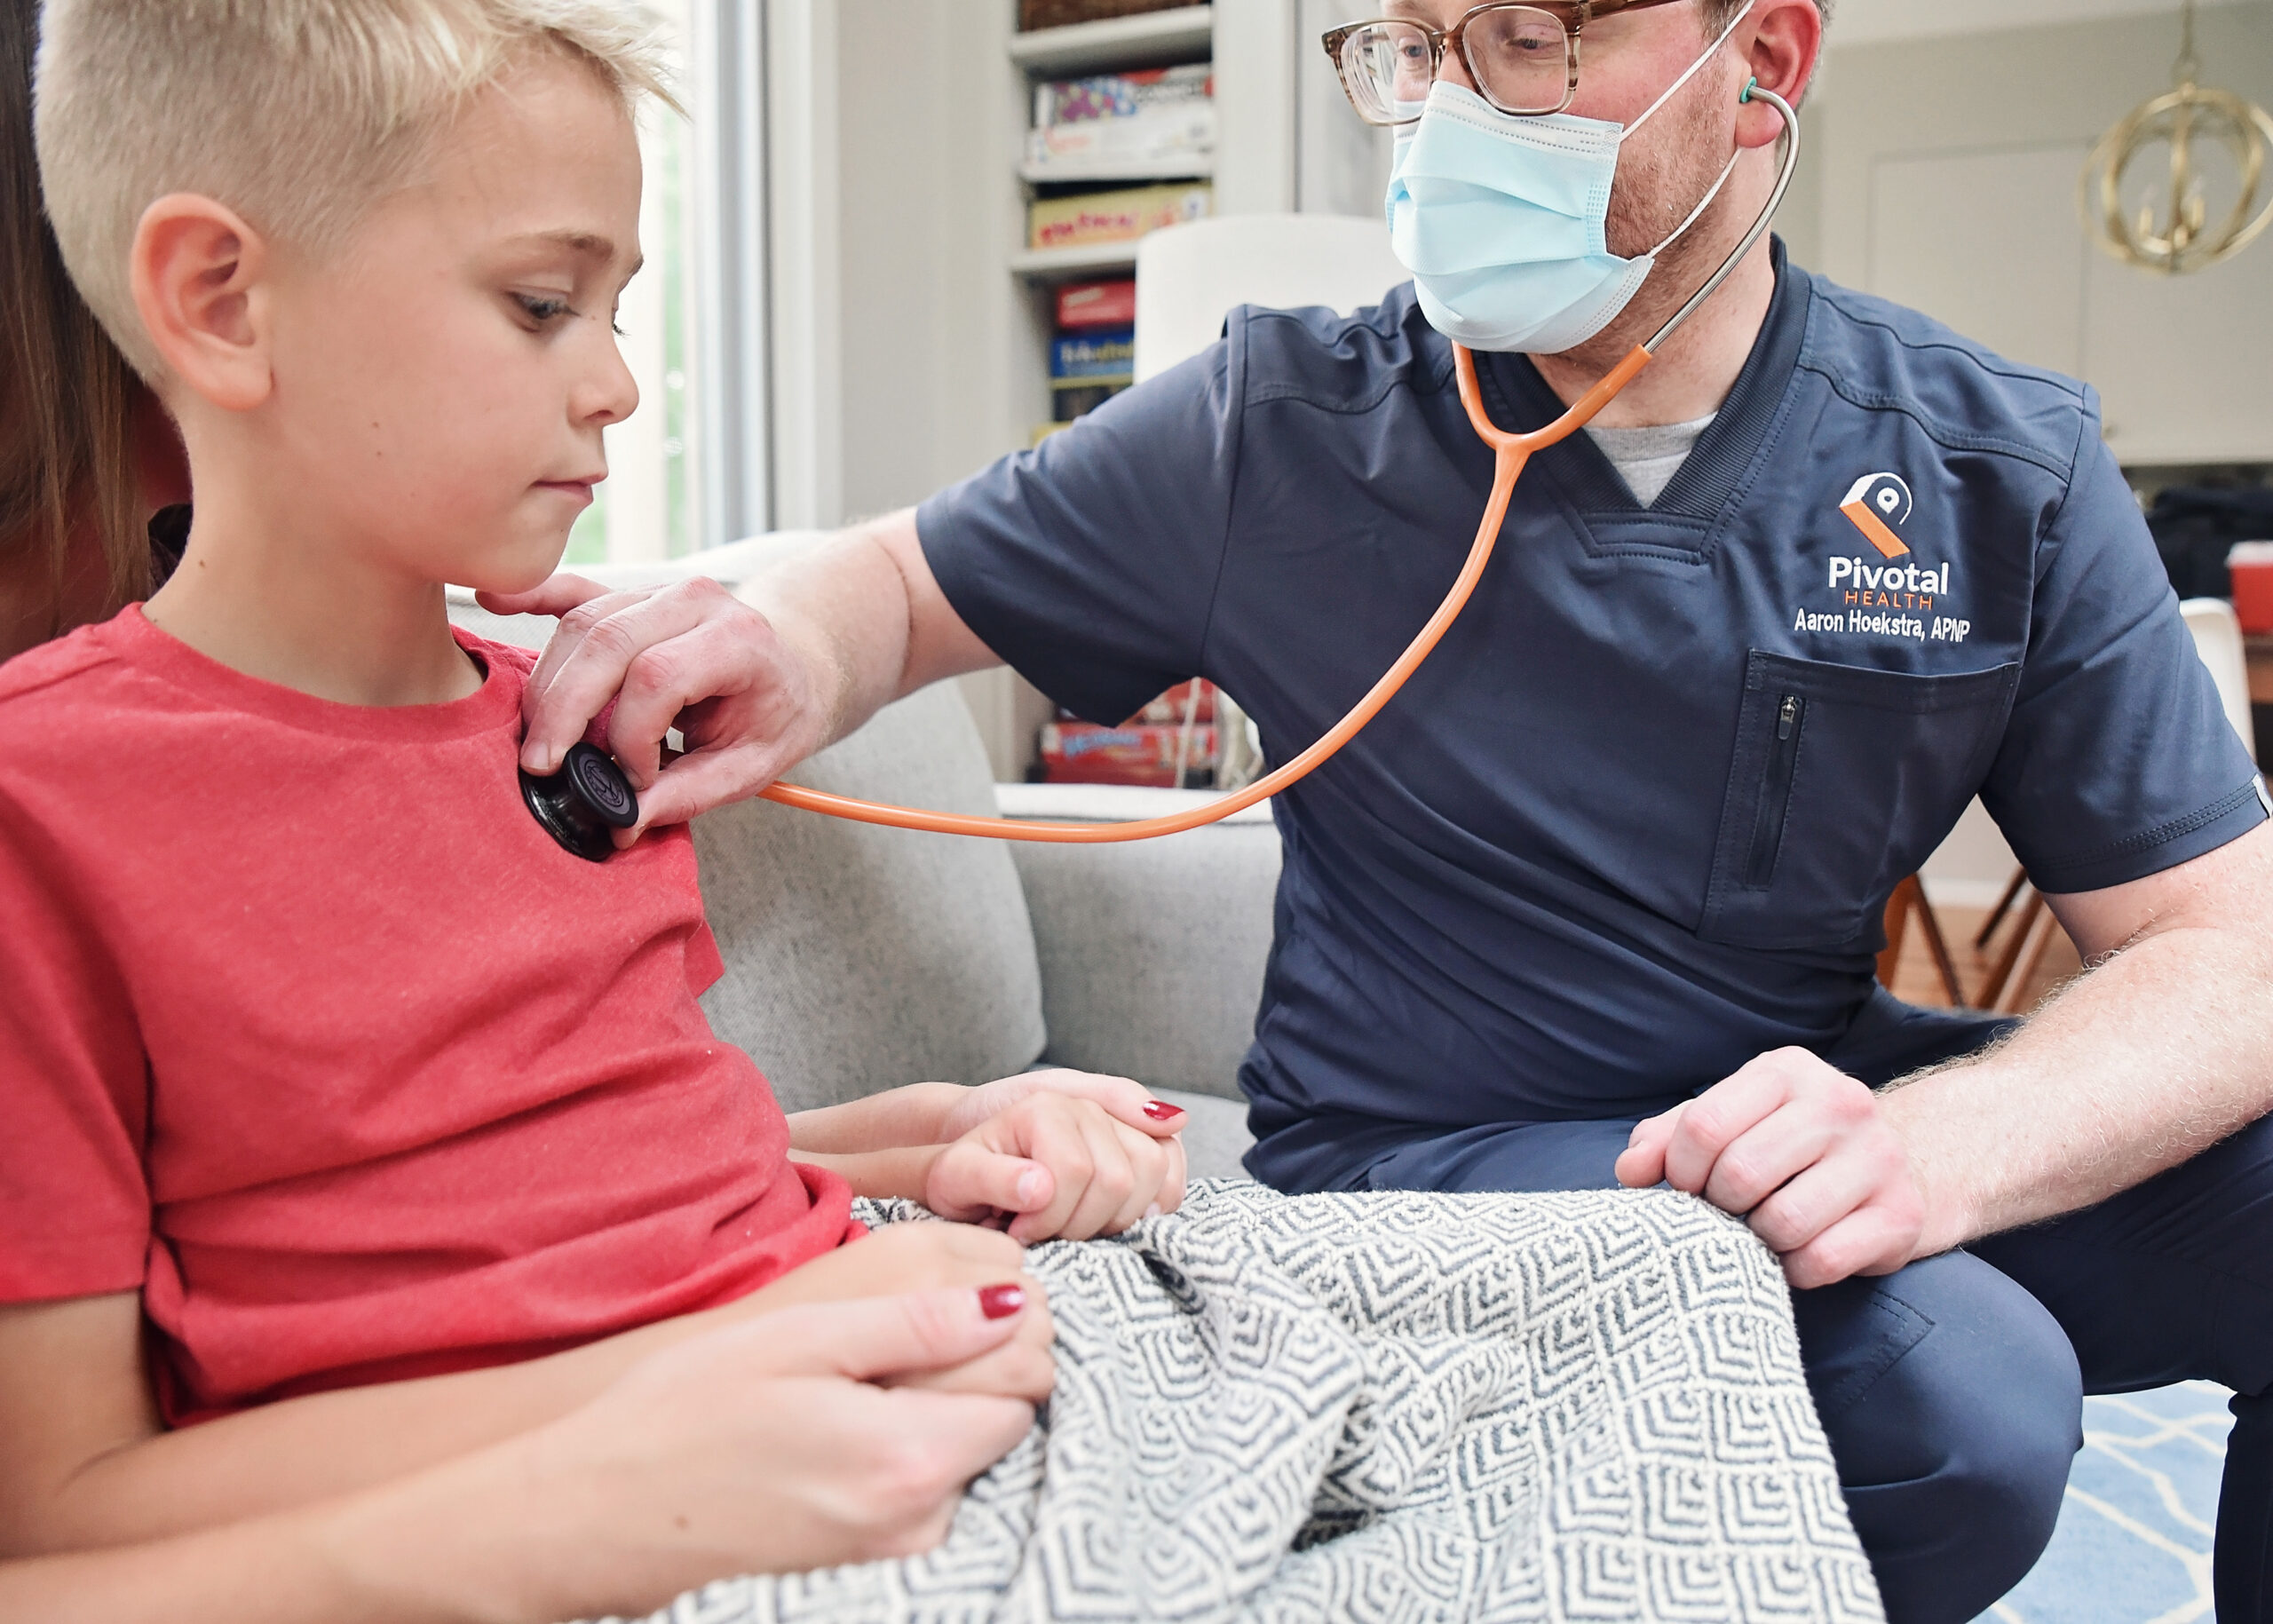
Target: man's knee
x,y
1955,1408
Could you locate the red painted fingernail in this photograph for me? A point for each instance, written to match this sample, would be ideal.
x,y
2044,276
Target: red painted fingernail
x,y
1160,1111
1001,1301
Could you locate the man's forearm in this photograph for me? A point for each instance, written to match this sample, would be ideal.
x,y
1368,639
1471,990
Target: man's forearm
x,y
865,615
2148,1060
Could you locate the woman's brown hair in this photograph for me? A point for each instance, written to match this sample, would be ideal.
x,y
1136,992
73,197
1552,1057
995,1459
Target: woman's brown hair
x,y
66,393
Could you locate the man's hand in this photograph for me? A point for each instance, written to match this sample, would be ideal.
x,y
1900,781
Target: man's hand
x,y
1807,1155
755,680
1060,1154
690,656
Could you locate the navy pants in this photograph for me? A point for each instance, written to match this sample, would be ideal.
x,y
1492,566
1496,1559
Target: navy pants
x,y
1952,1391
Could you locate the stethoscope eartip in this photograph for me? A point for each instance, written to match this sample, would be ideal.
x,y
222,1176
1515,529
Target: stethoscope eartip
x,y
582,803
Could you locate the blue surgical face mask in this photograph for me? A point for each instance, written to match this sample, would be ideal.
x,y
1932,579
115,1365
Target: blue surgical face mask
x,y
1502,219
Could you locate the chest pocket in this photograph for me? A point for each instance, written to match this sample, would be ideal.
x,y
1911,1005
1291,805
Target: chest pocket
x,y
1844,780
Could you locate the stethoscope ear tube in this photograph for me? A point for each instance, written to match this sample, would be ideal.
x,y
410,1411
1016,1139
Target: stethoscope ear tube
x,y
1509,452
1791,166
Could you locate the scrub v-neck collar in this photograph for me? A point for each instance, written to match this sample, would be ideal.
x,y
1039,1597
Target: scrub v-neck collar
x,y
1517,398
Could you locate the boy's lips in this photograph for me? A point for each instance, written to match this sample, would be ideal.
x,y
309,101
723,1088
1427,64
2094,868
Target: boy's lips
x,y
582,490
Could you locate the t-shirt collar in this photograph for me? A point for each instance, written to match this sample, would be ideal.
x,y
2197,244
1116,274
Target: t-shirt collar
x,y
186,673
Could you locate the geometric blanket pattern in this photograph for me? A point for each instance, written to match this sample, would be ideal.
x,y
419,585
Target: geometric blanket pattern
x,y
1390,1407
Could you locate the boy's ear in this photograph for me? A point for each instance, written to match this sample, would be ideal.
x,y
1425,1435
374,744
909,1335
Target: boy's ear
x,y
200,277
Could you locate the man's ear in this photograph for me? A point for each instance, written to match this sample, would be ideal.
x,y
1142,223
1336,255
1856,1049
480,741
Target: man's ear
x,y
1786,42
201,286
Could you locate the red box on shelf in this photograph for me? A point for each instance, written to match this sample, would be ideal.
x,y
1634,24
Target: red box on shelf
x,y
1085,753
2250,564
1083,306
1168,707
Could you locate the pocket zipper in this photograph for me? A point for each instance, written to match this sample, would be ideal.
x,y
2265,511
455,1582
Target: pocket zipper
x,y
1775,792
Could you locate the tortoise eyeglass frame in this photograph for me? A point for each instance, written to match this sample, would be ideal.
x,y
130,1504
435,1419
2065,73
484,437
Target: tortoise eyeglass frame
x,y
1574,15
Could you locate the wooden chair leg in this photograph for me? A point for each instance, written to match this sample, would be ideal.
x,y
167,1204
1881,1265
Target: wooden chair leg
x,y
1898,909
1997,915
1939,944
1993,990
2047,927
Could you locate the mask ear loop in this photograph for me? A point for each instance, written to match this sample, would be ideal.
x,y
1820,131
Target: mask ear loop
x,y
1695,69
1728,170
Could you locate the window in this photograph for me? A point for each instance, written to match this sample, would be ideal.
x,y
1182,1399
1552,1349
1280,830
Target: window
x,y
682,474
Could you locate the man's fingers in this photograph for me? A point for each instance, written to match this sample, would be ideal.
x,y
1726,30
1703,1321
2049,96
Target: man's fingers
x,y
868,1337
588,661
1719,1116
696,646
1869,1240
698,781
1641,1164
1762,1160
554,596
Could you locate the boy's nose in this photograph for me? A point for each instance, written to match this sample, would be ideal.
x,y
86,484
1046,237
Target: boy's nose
x,y
612,394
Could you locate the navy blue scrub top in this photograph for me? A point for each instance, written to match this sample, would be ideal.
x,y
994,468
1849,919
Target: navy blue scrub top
x,y
1637,819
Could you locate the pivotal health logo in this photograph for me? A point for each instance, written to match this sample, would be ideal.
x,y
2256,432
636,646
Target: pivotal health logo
x,y
1872,595
1876,498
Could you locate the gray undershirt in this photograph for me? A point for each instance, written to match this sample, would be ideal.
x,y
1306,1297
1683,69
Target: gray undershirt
x,y
1648,458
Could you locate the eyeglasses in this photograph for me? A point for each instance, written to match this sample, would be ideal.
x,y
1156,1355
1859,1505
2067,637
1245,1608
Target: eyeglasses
x,y
1525,59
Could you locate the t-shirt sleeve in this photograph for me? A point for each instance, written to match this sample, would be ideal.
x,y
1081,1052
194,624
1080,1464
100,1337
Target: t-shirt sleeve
x,y
75,1208
1089,564
2118,761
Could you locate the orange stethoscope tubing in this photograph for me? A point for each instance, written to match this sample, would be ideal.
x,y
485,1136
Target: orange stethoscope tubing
x,y
1510,452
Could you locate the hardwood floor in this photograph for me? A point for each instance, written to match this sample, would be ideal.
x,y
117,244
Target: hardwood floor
x,y
1915,980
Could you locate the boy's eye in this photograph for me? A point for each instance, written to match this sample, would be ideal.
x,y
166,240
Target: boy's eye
x,y
542,309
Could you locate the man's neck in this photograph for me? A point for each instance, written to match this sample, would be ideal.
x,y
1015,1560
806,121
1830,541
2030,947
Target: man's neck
x,y
1692,375
307,612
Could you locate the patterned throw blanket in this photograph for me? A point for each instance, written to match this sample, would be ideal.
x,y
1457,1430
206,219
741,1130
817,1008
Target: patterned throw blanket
x,y
1391,1407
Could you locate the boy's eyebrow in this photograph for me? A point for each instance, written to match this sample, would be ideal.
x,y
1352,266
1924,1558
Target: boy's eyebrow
x,y
585,245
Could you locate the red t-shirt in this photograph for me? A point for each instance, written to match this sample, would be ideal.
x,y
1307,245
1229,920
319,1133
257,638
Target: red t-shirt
x,y
311,1033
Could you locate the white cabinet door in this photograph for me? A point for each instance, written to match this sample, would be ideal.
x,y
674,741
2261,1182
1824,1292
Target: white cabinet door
x,y
1988,242
1991,243
2186,362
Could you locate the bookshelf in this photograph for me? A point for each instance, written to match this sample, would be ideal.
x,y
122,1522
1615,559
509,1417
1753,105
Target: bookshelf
x,y
1057,264
1260,53
1150,39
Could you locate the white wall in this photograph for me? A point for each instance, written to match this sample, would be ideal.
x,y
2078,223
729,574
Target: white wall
x,y
1948,181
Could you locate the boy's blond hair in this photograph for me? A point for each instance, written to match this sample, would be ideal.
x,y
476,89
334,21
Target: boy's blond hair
x,y
299,115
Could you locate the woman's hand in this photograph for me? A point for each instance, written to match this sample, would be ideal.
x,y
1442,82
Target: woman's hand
x,y
793,1440
1059,1153
904,1257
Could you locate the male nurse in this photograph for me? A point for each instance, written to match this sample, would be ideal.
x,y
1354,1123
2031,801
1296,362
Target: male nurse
x,y
1596,900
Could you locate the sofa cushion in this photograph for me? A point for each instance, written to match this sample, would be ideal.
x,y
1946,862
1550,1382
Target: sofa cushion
x,y
1153,952
859,958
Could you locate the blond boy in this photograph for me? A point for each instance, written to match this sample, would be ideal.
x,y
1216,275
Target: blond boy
x,y
395,1124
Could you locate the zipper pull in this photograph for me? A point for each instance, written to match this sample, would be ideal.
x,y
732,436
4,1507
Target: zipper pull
x,y
1788,716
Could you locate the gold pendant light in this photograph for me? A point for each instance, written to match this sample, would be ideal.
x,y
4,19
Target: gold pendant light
x,y
2174,234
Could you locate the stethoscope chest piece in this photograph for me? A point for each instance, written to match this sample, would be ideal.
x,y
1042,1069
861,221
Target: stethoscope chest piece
x,y
581,803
